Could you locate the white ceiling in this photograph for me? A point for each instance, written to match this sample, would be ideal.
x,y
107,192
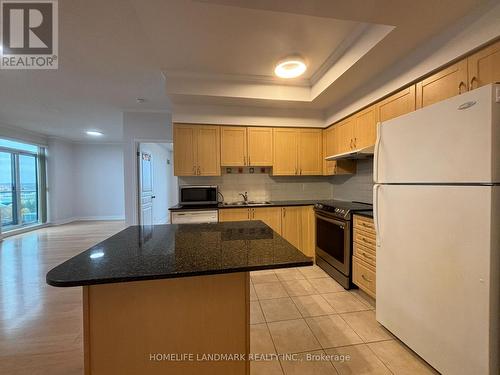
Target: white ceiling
x,y
219,52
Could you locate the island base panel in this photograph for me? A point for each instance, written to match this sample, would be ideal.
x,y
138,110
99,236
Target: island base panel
x,y
127,324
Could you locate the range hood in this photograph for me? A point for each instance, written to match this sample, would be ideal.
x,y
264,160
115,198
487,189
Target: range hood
x,y
361,153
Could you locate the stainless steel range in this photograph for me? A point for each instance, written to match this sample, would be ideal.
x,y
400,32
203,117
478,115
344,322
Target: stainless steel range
x,y
334,237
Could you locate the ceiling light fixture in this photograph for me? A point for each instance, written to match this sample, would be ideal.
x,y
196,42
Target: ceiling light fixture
x,y
93,133
291,67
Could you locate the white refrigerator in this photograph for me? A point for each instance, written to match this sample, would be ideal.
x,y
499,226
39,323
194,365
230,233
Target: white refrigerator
x,y
437,215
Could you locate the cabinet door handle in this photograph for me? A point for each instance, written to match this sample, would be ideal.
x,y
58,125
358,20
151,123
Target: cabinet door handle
x,y
248,214
194,169
300,170
355,141
350,144
460,85
365,278
284,212
366,255
199,172
472,82
248,160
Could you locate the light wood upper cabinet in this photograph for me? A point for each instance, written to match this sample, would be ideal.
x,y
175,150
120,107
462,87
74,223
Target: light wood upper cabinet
x,y
196,150
297,152
310,161
208,151
442,85
260,146
345,135
285,150
365,128
233,146
333,167
484,66
185,150
397,104
242,146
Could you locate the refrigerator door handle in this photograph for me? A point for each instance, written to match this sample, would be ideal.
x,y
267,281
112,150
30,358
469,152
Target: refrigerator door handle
x,y
376,188
375,159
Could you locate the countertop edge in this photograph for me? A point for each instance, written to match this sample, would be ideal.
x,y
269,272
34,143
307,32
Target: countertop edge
x,y
115,280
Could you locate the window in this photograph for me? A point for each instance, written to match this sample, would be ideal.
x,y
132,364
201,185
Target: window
x,y
21,200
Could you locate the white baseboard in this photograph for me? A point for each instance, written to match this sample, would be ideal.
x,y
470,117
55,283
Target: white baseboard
x,y
96,218
86,218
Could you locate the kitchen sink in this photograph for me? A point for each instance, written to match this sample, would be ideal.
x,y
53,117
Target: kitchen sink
x,y
258,203
249,203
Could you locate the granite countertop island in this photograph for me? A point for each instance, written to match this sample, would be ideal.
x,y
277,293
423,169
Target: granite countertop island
x,y
179,250
181,290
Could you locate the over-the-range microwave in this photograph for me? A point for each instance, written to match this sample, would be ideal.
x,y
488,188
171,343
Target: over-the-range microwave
x,y
198,195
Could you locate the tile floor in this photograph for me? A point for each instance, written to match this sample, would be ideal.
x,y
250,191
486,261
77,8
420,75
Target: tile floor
x,y
321,328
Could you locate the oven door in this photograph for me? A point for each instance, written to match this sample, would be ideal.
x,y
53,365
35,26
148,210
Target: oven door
x,y
333,242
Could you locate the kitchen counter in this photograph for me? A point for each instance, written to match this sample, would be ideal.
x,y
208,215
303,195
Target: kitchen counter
x,y
172,251
306,202
365,213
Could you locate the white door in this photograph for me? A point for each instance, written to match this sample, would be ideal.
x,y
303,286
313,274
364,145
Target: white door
x,y
146,188
438,272
453,141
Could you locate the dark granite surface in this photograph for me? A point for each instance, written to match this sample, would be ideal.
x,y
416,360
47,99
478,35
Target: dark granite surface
x,y
308,202
364,213
169,251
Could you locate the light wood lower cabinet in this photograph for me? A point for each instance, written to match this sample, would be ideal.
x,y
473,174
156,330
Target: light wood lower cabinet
x,y
234,214
295,224
269,215
442,85
298,228
364,254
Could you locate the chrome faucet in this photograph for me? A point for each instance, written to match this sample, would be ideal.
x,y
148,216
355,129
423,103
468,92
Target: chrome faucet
x,y
245,196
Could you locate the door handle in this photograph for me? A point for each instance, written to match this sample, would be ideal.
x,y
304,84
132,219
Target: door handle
x,y
153,196
472,82
462,83
377,148
376,188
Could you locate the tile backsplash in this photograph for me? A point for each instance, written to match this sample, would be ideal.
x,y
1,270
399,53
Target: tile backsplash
x,y
261,186
357,187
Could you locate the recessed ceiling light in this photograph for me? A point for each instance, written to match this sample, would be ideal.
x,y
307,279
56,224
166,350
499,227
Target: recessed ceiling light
x,y
291,67
93,133
96,255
